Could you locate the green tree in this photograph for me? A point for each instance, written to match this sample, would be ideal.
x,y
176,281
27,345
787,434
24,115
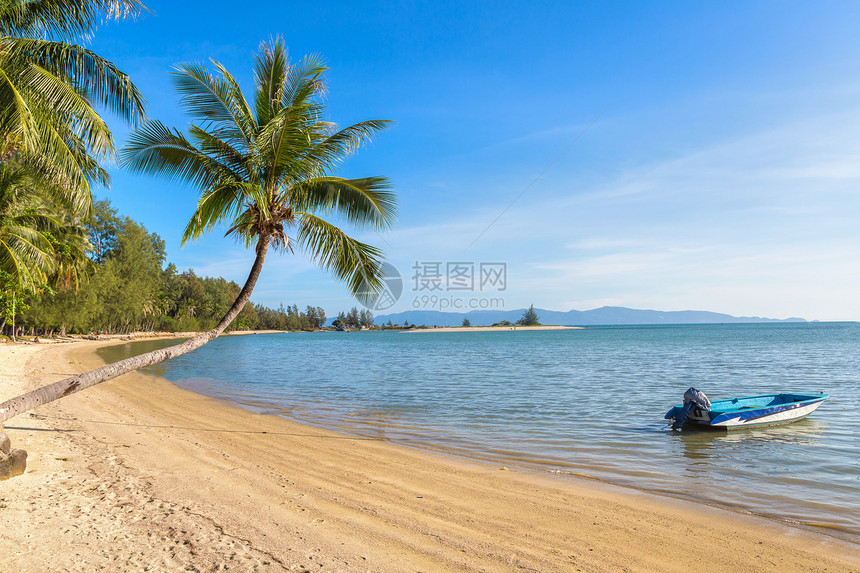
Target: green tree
x,y
26,253
264,170
365,318
104,230
294,321
49,83
41,243
316,316
128,283
248,318
466,323
320,317
529,318
123,292
48,86
13,300
71,247
353,318
340,321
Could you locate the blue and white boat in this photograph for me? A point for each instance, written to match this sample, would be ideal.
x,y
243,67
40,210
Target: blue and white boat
x,y
746,412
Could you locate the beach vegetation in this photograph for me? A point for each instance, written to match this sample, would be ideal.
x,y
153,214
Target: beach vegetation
x,y
466,323
355,318
129,286
529,318
42,243
366,318
352,318
52,139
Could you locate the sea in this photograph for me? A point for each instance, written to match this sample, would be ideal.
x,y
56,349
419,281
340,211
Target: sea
x,y
585,403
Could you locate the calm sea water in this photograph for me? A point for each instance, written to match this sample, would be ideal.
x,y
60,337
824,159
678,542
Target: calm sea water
x,y
585,402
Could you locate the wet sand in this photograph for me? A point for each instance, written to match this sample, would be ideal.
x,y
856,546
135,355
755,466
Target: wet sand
x,y
137,473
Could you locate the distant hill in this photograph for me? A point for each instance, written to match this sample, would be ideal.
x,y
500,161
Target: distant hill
x,y
607,315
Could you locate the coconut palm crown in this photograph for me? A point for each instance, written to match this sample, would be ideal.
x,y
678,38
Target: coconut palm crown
x,y
264,169
49,85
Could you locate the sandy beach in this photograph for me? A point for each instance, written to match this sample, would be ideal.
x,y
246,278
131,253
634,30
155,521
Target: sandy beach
x,y
139,475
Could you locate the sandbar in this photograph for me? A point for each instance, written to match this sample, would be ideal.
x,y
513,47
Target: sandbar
x,y
491,328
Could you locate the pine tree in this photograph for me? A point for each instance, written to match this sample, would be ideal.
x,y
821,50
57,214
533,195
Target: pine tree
x,y
530,318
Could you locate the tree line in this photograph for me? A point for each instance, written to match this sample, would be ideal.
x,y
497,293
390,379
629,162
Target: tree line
x,y
354,319
125,285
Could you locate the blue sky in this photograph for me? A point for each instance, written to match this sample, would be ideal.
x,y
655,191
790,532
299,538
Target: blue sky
x,y
669,156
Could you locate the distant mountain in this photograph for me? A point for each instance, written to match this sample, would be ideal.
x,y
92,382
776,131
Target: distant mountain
x,y
607,315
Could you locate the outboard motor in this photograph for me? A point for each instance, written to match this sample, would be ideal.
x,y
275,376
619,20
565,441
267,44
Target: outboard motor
x,y
692,399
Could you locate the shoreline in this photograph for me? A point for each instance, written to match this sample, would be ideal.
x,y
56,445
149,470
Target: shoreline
x,y
227,481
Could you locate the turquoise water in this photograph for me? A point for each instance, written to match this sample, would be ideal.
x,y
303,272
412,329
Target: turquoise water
x,y
585,402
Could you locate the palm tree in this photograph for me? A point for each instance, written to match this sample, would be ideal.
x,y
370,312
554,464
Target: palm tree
x,y
264,172
72,246
48,85
41,243
26,253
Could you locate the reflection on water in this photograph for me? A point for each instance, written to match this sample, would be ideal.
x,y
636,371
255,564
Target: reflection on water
x,y
757,443
585,402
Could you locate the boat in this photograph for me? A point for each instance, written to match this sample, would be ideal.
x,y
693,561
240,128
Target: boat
x,y
745,412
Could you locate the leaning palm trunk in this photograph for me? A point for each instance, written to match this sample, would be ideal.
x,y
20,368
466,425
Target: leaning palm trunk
x,y
51,392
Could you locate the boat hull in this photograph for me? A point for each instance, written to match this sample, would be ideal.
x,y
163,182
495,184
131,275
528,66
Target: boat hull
x,y
753,411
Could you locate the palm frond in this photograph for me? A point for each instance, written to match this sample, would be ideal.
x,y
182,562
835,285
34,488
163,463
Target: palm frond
x,y
68,158
211,99
85,71
16,118
223,152
269,74
60,187
53,95
284,143
240,110
220,203
157,150
366,203
62,18
356,263
25,254
336,147
304,81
